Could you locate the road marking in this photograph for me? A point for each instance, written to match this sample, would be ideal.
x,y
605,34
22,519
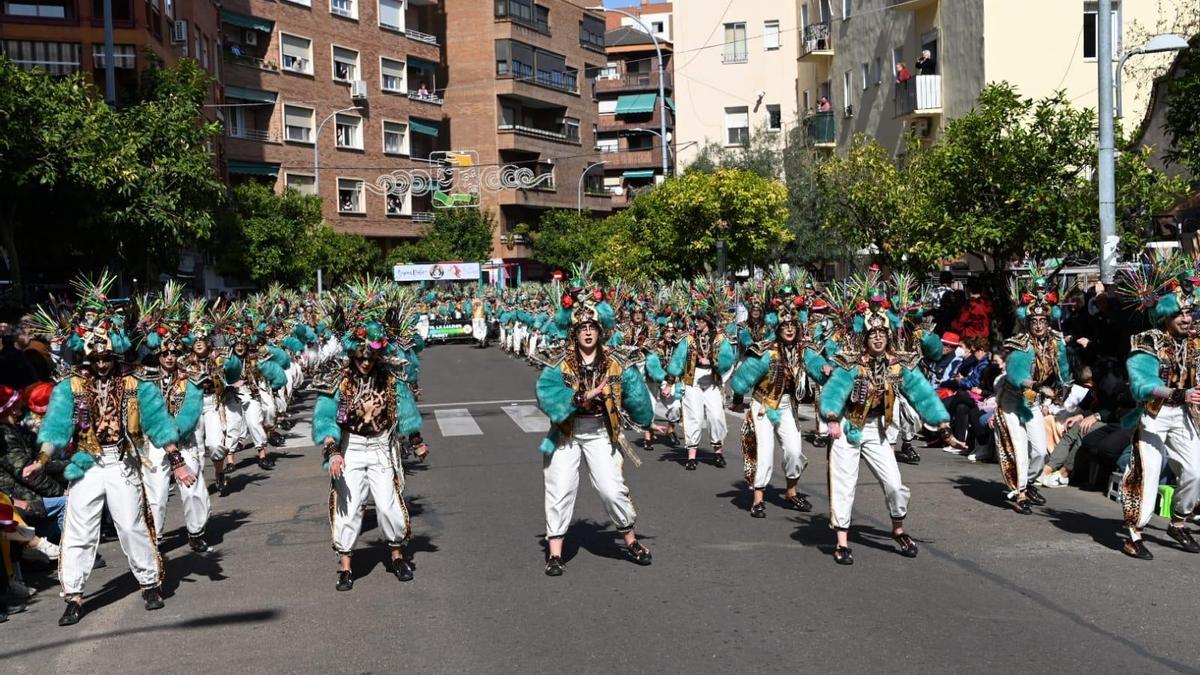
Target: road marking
x,y
529,418
463,403
457,422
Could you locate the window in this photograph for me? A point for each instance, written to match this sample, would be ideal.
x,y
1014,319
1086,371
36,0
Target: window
x,y
737,126
774,117
866,76
1091,35
395,138
204,51
608,106
296,53
122,10
771,35
846,8
897,59
169,8
124,57
344,8
848,91
519,60
735,43
637,142
42,9
306,3
591,33
526,13
350,196
570,127
391,75
807,101
607,145
396,204
391,14
878,71
302,183
56,58
609,71
657,26
345,64
298,124
348,132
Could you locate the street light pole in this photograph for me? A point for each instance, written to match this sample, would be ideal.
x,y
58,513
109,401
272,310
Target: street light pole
x,y
1106,165
1157,44
662,88
110,68
644,130
583,175
317,146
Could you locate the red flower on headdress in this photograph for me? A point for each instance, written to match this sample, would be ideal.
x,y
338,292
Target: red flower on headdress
x,y
161,330
862,305
886,304
1026,298
361,332
1052,298
567,302
598,295
106,325
775,302
798,301
80,331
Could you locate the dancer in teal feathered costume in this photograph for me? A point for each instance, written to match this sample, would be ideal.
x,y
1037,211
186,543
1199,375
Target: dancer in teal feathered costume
x,y
583,393
858,402
701,362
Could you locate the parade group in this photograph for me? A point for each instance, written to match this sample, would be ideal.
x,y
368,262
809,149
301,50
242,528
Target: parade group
x,y
143,394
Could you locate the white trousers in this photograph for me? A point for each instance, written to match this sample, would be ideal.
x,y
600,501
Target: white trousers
x,y
157,478
1170,435
1028,441
210,432
244,417
703,404
266,401
368,471
479,329
117,483
786,435
560,470
843,474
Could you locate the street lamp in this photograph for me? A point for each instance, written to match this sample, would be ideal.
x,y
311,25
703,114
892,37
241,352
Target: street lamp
x,y
317,146
1157,44
661,138
583,175
662,89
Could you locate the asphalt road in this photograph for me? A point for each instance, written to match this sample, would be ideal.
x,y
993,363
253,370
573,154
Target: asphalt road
x,y
991,591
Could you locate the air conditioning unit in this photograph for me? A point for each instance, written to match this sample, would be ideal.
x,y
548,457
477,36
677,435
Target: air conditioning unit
x,y
179,33
358,89
250,38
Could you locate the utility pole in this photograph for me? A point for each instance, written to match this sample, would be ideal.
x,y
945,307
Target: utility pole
x,y
1106,166
110,69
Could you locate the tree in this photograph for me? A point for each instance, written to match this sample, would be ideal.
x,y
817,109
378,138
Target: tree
x,y
1183,110
456,234
564,238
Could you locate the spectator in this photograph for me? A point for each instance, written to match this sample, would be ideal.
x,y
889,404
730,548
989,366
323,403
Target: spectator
x,y
1078,421
974,320
985,450
947,301
903,74
926,65
824,106
39,498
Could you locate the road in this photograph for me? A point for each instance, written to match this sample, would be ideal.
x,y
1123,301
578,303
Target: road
x,y
991,591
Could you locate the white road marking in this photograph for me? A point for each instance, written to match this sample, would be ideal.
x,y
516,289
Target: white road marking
x,y
457,422
528,417
463,403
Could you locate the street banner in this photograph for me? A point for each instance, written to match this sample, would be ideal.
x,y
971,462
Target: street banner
x,y
442,271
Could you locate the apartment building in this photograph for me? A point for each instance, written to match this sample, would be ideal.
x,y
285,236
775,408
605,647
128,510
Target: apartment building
x,y
520,94
851,49
327,96
67,36
735,71
631,129
659,17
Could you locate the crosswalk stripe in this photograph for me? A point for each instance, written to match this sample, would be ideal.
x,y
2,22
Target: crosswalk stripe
x,y
457,422
528,417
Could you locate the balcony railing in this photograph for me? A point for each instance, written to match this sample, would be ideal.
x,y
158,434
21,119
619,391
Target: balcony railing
x,y
251,61
918,94
260,135
632,81
820,129
420,37
423,217
735,57
817,39
534,132
425,97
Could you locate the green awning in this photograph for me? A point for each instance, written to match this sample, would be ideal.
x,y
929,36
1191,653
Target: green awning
x,y
632,104
249,94
639,173
251,22
670,104
422,127
421,64
253,168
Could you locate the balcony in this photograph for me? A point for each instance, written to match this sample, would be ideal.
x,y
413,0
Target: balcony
x,y
817,43
259,135
741,56
425,97
820,130
534,132
423,217
421,37
632,82
627,159
912,5
522,15
919,96
611,122
250,61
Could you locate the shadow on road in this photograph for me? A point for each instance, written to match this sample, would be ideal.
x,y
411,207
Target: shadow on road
x,y
597,538
984,491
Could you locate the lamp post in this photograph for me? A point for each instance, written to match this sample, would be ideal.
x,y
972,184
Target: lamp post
x,y
662,139
583,175
662,89
317,146
1157,44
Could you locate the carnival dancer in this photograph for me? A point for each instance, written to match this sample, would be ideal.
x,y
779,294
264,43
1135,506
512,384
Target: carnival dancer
x,y
359,410
755,329
583,394
771,372
639,336
669,403
164,325
1037,374
1164,376
103,414
246,376
858,403
700,362
479,326
203,366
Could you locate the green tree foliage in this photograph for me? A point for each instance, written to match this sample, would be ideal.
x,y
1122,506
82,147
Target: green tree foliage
x,y
564,238
283,238
1183,110
456,234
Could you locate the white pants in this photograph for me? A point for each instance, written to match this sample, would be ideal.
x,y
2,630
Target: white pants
x,y
244,417
368,471
668,407
1028,444
1170,435
560,470
479,329
789,440
701,404
907,422
268,405
157,478
116,483
843,473
210,432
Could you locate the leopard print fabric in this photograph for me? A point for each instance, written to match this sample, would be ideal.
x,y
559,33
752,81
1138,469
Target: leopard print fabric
x,y
368,404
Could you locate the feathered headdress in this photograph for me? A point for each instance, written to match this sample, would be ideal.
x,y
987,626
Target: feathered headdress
x,y
1163,288
582,303
1035,297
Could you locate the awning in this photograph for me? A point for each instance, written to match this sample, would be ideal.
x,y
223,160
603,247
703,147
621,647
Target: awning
x,y
251,22
421,64
639,173
253,168
670,104
632,104
422,127
249,94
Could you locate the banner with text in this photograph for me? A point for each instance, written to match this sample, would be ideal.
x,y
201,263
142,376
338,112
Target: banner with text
x,y
436,272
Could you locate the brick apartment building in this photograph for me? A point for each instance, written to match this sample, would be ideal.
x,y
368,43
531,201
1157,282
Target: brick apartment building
x,y
520,92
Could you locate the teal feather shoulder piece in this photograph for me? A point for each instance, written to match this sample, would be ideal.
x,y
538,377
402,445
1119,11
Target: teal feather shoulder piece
x,y
157,423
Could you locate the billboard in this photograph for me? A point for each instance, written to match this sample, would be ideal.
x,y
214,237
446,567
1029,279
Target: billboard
x,y
443,271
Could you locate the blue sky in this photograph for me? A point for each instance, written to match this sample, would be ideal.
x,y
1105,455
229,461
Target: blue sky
x,y
620,3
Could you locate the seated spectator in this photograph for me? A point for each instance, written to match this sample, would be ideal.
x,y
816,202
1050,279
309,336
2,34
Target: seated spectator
x,y
1075,420
974,320
38,498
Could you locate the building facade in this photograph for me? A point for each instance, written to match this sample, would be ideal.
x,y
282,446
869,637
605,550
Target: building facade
x,y
520,94
659,17
735,71
851,51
